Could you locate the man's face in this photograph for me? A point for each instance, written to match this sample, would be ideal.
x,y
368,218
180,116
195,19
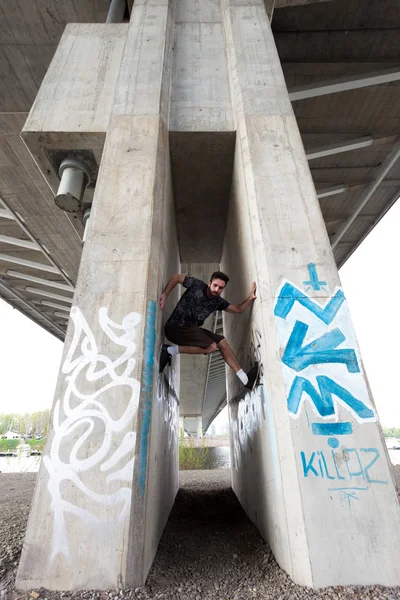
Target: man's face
x,y
216,287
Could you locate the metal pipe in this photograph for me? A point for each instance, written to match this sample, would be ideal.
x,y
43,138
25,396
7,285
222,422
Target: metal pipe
x,y
75,177
116,11
86,216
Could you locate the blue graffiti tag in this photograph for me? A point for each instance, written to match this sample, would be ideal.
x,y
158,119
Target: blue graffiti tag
x,y
320,465
314,282
289,294
323,398
319,351
341,428
147,391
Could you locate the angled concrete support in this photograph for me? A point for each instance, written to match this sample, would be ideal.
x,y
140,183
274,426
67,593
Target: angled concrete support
x,y
309,463
109,475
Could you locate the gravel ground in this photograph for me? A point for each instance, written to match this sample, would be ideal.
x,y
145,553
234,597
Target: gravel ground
x,y
209,550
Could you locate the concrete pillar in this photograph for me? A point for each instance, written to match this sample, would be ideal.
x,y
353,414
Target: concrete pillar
x,y
309,463
199,427
110,472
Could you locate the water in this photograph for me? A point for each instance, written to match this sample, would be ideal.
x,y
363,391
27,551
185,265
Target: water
x,y
217,458
19,464
394,456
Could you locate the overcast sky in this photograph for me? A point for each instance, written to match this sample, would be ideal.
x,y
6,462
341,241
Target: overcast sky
x,y
30,357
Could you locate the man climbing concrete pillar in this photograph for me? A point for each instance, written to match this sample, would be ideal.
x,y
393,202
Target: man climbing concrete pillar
x,y
101,503
309,463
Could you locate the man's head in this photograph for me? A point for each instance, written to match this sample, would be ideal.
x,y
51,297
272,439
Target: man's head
x,y
217,283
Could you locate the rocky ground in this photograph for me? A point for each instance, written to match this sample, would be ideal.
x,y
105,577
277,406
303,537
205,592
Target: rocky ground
x,y
209,550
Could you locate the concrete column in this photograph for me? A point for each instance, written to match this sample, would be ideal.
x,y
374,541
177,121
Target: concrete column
x,y
181,424
110,472
309,463
199,427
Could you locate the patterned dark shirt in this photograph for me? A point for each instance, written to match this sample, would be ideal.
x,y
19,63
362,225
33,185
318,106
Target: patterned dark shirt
x,y
195,306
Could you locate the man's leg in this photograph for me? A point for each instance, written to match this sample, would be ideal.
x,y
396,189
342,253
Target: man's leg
x,y
248,379
197,350
228,355
188,340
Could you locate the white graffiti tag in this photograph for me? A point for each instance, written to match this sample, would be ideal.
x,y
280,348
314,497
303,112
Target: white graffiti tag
x,y
88,431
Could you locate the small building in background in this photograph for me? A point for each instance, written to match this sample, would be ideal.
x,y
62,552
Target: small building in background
x,y
12,435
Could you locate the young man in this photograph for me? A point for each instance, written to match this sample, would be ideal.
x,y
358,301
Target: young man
x,y
183,328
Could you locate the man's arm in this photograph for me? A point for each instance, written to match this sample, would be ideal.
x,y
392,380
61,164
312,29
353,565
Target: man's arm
x,y
239,308
173,280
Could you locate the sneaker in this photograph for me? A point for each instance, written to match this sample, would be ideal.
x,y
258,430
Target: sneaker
x,y
252,377
165,357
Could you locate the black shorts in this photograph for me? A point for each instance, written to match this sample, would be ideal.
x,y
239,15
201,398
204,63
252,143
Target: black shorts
x,y
183,335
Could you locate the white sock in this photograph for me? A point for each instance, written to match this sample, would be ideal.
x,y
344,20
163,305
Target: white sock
x,y
242,376
172,350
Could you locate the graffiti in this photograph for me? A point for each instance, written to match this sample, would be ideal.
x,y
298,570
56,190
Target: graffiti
x,y
147,380
348,494
342,428
93,380
318,341
323,400
351,463
314,282
322,371
319,351
330,465
168,399
289,295
246,417
248,410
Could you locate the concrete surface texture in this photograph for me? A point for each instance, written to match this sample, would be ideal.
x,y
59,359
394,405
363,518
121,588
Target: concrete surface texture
x,y
201,112
309,464
109,477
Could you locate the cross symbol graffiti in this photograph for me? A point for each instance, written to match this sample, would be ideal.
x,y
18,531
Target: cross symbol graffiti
x,y
314,281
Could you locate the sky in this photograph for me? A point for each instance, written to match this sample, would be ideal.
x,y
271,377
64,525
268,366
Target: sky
x,y
30,357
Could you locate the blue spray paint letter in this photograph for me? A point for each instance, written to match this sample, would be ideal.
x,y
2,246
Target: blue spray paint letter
x,y
289,294
308,467
319,351
314,282
322,399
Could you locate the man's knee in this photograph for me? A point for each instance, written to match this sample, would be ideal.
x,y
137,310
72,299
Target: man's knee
x,y
223,344
211,349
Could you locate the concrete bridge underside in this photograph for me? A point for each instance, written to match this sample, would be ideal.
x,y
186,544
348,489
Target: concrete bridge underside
x,y
186,111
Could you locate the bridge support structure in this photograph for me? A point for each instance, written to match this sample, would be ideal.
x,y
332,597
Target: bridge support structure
x,y
187,112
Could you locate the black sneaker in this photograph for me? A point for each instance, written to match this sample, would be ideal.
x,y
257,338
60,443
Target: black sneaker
x,y
165,357
253,377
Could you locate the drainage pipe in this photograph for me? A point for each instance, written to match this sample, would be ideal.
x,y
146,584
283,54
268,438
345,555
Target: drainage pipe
x,y
116,11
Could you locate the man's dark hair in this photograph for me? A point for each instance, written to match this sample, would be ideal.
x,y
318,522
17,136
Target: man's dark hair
x,y
219,275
